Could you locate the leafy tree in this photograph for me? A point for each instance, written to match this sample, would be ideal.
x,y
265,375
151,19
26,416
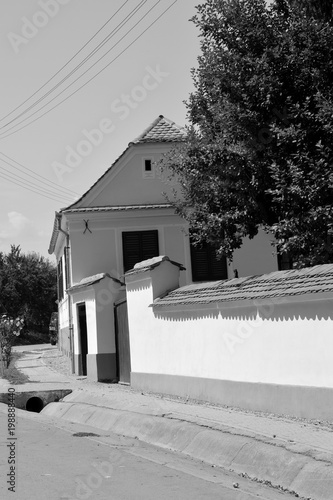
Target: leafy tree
x,y
321,10
259,148
28,288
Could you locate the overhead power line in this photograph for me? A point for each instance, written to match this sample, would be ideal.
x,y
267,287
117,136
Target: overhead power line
x,y
33,190
93,77
12,176
74,70
38,177
66,64
16,177
3,134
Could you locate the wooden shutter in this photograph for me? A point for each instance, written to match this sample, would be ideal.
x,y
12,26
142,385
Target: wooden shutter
x,y
138,246
205,265
60,281
284,262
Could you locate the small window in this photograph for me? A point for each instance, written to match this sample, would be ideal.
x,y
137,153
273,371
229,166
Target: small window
x,y
148,166
148,171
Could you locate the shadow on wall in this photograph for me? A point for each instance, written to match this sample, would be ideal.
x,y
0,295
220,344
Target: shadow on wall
x,y
187,314
277,309
139,286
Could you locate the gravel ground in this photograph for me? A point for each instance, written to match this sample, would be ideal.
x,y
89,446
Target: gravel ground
x,y
58,362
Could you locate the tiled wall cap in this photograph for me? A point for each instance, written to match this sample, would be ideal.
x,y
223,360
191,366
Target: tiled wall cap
x,y
151,262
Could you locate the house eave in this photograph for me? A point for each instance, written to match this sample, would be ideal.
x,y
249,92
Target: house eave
x,y
55,233
117,208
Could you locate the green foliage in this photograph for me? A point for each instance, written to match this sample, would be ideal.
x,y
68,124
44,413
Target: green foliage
x,y
322,10
259,148
9,329
12,374
28,288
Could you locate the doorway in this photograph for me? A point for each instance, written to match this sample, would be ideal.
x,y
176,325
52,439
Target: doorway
x,y
122,342
83,337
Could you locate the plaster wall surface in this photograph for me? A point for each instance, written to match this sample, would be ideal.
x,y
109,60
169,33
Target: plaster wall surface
x,y
289,342
106,293
102,250
126,183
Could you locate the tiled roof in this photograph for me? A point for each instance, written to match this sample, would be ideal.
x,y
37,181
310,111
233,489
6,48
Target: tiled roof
x,y
161,130
118,208
310,280
147,265
91,280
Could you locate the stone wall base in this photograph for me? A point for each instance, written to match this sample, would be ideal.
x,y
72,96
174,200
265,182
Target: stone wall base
x,y
101,366
299,401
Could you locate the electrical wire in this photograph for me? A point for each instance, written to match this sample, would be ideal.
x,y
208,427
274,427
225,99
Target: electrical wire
x,y
19,183
68,86
74,70
93,77
39,177
67,63
60,196
15,177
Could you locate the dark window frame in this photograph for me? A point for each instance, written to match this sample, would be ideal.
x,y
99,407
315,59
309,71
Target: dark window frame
x,y
143,250
216,269
60,276
285,262
148,165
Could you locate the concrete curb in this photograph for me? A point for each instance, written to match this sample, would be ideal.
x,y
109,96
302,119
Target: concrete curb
x,y
265,460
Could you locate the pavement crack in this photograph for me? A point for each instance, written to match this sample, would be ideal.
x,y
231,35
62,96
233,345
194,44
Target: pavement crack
x,y
238,452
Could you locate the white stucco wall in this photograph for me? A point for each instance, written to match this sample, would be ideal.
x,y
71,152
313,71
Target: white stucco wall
x,y
101,250
125,184
284,343
63,306
99,300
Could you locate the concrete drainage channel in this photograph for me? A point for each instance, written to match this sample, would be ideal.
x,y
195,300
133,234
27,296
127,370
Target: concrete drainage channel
x,y
35,401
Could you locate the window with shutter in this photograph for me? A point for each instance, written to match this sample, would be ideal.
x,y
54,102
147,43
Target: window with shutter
x,y
138,246
284,262
205,265
60,280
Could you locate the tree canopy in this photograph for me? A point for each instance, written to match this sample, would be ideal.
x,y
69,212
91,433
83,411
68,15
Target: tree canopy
x,y
321,10
28,288
259,147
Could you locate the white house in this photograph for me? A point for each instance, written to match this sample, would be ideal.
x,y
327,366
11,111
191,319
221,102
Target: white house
x,y
123,219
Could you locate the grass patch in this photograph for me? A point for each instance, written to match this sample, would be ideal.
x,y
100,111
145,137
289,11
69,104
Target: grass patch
x,y
12,374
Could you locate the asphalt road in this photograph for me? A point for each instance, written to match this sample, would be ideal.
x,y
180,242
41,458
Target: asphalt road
x,y
54,461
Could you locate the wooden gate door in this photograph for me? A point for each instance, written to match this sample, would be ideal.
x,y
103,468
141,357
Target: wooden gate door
x,y
82,317
122,342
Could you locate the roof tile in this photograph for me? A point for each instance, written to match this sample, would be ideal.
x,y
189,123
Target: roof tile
x,y
117,208
149,264
161,130
91,280
317,279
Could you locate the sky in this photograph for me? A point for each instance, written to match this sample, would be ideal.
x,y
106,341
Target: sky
x,y
48,50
